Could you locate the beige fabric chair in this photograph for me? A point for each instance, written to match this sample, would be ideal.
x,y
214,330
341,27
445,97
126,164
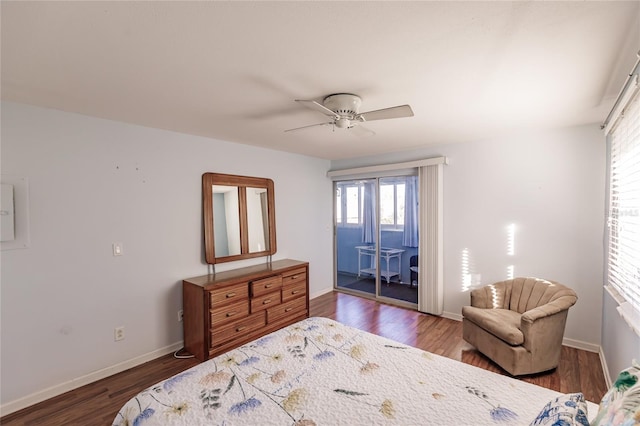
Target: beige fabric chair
x,y
519,323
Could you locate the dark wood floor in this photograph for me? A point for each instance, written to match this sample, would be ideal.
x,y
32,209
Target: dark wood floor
x,y
98,403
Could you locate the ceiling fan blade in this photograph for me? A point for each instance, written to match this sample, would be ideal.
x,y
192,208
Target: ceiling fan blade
x,y
383,114
318,107
310,125
360,131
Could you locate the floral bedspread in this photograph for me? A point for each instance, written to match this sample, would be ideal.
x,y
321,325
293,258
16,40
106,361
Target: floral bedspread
x,y
320,372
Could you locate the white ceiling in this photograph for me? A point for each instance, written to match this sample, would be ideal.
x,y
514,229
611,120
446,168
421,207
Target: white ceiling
x,y
231,70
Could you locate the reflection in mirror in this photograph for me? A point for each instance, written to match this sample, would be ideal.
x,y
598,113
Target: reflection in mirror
x,y
226,223
239,217
257,214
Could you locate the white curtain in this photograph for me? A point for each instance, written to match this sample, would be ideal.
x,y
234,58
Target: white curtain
x,y
430,258
369,213
411,210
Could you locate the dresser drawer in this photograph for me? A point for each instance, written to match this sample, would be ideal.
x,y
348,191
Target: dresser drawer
x,y
295,276
294,290
236,330
223,314
266,285
265,301
228,294
291,308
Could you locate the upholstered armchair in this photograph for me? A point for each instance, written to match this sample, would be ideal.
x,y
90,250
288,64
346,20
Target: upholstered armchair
x,y
519,323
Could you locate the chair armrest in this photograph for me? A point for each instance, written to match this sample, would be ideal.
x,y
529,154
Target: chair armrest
x,y
558,305
543,327
545,333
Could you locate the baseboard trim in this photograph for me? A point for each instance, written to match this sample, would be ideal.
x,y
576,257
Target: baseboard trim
x,y
452,316
605,369
579,344
320,293
36,397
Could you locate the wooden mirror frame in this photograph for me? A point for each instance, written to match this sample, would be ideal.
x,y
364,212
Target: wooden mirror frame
x,y
242,182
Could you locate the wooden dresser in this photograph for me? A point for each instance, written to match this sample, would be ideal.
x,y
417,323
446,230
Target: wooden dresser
x,y
230,308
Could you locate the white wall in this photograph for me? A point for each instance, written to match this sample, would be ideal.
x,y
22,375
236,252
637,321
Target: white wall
x,y
551,187
620,344
94,182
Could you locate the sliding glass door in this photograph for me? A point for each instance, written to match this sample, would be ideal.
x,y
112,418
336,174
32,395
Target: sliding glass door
x,y
368,211
355,236
398,238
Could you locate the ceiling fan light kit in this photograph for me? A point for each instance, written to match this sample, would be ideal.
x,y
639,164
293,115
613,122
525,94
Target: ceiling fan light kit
x,y
343,109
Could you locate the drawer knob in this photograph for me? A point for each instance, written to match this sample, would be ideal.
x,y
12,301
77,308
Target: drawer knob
x,y
239,329
288,309
295,277
264,302
268,285
230,295
230,314
295,292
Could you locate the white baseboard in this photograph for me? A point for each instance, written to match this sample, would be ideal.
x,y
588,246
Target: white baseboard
x,y
320,293
605,369
579,344
452,316
34,398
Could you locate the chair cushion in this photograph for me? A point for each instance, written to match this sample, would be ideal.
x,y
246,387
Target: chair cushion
x,y
502,323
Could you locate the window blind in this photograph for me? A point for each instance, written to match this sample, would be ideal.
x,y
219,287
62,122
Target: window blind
x,y
624,204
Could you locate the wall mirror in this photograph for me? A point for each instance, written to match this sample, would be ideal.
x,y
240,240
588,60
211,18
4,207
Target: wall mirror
x,y
239,217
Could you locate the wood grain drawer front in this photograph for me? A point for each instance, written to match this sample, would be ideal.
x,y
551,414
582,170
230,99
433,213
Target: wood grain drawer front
x,y
229,294
266,285
265,301
295,276
294,307
227,313
294,291
238,329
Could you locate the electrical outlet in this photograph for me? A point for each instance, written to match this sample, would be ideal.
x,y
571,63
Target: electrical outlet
x,y
118,333
180,314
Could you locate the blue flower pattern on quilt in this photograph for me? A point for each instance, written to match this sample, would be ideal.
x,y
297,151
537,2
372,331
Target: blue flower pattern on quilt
x,y
497,413
140,418
244,406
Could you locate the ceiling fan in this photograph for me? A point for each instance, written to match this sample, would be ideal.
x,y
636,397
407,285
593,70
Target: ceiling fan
x,y
343,109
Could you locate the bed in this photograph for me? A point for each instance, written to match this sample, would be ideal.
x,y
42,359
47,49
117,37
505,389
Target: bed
x,y
321,372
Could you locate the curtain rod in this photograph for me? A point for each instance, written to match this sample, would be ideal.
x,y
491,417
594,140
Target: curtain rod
x,y
624,88
385,167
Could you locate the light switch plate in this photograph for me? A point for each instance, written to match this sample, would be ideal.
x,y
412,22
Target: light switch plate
x,y
117,249
7,223
15,213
